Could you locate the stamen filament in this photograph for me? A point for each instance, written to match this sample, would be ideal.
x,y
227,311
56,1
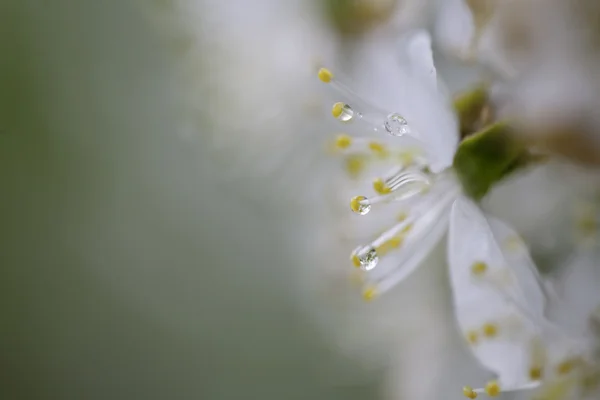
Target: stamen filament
x,y
361,110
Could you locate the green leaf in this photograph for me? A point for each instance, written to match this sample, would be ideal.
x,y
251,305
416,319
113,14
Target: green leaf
x,y
487,157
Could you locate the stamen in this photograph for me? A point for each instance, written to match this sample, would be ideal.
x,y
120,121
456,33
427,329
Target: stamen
x,y
389,245
538,358
342,111
378,119
479,268
369,293
425,225
492,388
565,367
360,205
536,373
355,164
472,337
325,75
402,185
348,144
469,392
366,258
489,330
379,149
343,141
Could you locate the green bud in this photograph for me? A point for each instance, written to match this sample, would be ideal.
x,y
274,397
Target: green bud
x,y
473,110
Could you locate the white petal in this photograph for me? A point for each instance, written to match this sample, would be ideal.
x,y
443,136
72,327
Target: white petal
x,y
495,297
517,256
418,52
395,80
475,238
454,26
578,286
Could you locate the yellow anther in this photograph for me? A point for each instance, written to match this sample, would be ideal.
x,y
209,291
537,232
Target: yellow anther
x,y
378,149
512,243
396,242
325,75
536,373
369,293
389,245
478,268
402,216
492,388
407,228
380,186
472,337
407,158
355,165
591,381
469,392
489,330
566,366
343,141
337,109
355,203
355,260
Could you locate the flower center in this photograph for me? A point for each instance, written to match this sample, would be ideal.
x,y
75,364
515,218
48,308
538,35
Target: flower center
x,y
402,179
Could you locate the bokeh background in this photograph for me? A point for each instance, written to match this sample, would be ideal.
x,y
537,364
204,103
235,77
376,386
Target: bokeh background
x,y
155,239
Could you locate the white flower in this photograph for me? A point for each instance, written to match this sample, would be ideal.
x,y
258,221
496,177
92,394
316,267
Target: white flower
x,y
410,158
528,333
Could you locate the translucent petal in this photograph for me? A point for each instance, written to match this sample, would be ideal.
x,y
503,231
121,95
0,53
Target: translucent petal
x,y
489,297
517,256
454,26
578,287
427,230
419,56
392,79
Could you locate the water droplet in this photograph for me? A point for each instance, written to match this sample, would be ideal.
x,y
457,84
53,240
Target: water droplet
x,y
396,125
343,112
360,205
368,259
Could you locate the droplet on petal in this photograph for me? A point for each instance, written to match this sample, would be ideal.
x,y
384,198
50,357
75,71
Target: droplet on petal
x,y
396,125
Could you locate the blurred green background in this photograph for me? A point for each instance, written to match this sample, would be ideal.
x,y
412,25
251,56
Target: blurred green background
x,y
127,270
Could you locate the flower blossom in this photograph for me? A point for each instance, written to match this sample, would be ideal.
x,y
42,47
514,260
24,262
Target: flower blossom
x,y
409,152
530,332
502,304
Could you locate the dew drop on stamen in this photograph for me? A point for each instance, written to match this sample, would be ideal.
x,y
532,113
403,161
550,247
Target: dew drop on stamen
x,y
343,112
396,125
360,205
368,259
